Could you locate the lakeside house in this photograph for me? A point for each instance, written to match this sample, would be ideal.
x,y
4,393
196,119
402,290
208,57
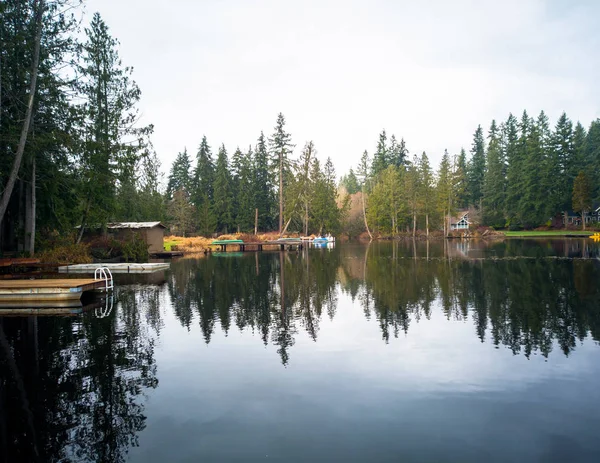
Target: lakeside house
x,y
153,233
460,222
574,218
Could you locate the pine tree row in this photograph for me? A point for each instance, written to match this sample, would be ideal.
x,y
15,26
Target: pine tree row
x,y
260,189
526,175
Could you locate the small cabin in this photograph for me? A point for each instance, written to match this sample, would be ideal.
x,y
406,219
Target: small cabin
x,y
153,233
461,222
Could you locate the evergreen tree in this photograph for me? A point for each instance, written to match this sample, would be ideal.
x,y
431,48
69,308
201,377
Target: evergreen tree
x,y
246,195
350,182
281,149
325,214
387,207
305,182
532,204
236,167
223,200
476,168
181,212
562,167
426,189
203,173
411,191
579,145
180,178
203,189
263,186
591,154
514,169
582,196
363,176
494,181
461,182
445,194
107,123
398,153
380,158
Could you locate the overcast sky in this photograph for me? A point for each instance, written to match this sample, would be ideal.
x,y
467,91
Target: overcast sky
x,y
340,71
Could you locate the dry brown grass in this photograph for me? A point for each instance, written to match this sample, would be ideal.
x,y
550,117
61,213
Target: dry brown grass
x,y
67,254
198,244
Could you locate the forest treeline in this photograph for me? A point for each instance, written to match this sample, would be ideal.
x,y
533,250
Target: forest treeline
x,y
74,153
522,174
72,148
262,188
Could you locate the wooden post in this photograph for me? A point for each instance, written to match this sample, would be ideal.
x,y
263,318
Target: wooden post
x,y
255,221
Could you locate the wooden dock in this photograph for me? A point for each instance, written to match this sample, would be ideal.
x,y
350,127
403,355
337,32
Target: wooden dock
x,y
242,246
47,289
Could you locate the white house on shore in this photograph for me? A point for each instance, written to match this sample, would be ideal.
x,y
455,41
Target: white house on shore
x,y
460,222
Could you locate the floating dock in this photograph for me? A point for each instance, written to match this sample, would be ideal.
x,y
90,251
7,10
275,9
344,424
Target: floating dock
x,y
116,268
67,289
243,246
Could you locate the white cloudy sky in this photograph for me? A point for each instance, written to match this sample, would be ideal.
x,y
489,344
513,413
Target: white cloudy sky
x,y
340,71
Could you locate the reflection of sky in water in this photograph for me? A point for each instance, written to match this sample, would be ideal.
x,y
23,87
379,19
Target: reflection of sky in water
x,y
436,393
378,356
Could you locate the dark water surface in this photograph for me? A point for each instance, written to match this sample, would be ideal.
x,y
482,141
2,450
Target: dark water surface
x,y
453,351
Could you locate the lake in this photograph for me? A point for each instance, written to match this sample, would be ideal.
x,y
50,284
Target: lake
x,y
406,351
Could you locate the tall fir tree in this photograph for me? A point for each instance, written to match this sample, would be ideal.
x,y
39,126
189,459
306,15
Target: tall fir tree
x,y
461,182
107,122
223,199
426,189
445,192
562,167
532,204
263,187
381,156
281,150
582,196
398,153
591,154
494,180
514,169
179,177
202,190
476,168
245,198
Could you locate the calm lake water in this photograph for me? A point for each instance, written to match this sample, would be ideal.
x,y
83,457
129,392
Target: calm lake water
x,y
391,352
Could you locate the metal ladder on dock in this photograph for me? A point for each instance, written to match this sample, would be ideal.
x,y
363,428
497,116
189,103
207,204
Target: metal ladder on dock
x,y
104,273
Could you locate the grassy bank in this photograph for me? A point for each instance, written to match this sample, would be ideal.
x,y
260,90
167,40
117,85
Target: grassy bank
x,y
546,233
198,244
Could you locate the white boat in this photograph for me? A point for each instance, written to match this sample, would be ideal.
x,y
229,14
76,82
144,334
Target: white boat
x,y
324,239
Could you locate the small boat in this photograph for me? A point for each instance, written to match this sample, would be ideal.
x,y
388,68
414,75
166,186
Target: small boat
x,y
227,242
324,239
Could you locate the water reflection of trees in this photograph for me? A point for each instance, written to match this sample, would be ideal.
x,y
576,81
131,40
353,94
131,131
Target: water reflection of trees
x,y
272,294
524,304
72,388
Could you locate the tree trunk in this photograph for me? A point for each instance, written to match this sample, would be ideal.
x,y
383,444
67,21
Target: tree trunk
x,y
414,232
33,212
256,221
365,213
583,214
83,221
306,218
28,245
281,193
286,227
427,223
39,10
